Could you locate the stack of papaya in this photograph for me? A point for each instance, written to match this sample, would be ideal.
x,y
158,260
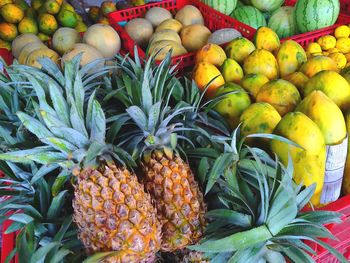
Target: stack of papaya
x,y
271,87
41,18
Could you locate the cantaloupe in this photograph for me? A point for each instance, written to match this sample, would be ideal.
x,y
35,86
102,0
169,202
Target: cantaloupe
x,y
64,39
157,15
19,42
194,37
33,58
27,49
140,30
163,48
89,54
104,38
189,15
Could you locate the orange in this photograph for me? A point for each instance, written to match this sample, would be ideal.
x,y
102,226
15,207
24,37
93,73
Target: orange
x,y
12,13
28,25
108,7
52,7
67,18
8,32
47,24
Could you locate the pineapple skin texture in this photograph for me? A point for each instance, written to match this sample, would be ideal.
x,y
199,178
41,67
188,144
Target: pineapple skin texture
x,y
178,200
114,213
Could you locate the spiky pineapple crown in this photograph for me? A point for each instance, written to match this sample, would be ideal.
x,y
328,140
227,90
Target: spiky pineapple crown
x,y
70,124
258,212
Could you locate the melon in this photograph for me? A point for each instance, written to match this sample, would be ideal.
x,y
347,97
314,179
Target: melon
x,y
140,30
19,42
194,37
223,6
223,36
27,49
249,15
104,38
166,34
89,54
283,22
156,15
161,48
33,58
316,14
64,39
189,15
267,5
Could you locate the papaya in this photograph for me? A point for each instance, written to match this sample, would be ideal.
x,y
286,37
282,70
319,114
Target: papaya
x,y
309,161
317,64
266,38
231,71
281,94
259,117
290,57
326,114
232,105
205,73
346,178
253,82
211,53
298,79
239,49
333,85
263,62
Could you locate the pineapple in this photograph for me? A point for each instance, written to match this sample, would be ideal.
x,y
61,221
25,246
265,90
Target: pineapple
x,y
259,217
155,127
111,209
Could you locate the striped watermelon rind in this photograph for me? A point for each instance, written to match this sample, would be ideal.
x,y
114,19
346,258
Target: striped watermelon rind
x,y
316,14
267,5
249,15
282,21
224,6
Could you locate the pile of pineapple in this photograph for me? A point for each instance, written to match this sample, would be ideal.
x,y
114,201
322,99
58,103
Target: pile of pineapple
x,y
125,163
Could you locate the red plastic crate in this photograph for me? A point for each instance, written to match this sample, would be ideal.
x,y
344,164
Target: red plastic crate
x,y
6,55
213,19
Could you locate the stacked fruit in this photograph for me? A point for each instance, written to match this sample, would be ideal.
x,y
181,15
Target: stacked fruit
x,y
286,21
336,46
99,41
286,90
159,32
42,18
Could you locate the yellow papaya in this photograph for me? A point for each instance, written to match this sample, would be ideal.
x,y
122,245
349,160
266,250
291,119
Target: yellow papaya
x,y
211,53
263,62
231,71
281,94
290,57
333,85
266,38
253,82
317,64
309,161
239,49
298,79
326,114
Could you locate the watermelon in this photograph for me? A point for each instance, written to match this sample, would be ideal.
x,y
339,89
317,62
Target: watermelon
x,y
249,15
267,5
283,22
224,6
316,14
239,3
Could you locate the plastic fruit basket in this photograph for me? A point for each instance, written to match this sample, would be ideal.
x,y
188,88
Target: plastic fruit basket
x,y
6,55
213,19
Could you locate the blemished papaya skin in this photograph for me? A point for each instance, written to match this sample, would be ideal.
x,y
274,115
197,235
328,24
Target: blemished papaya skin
x,y
309,161
266,38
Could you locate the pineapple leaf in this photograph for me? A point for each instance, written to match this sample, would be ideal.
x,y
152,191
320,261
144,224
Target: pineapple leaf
x,y
52,69
304,196
15,226
321,217
56,205
11,256
21,218
203,169
98,257
42,252
77,120
59,182
71,135
93,152
297,255
89,111
60,255
98,124
248,255
305,229
47,157
138,116
79,94
153,117
333,251
59,104
34,126
23,155
230,216
30,210
116,126
221,163
60,144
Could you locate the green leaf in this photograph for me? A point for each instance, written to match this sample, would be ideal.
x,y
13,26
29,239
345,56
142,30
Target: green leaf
x,y
14,227
321,217
333,251
220,164
304,196
56,205
59,103
34,126
98,124
89,111
138,116
249,255
42,252
60,144
98,257
44,170
79,94
297,255
47,157
203,169
73,136
11,255
21,218
30,210
59,182
60,255
93,152
229,216
77,120
153,117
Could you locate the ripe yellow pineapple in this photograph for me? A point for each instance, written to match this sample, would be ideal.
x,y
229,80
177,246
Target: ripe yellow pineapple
x,y
111,208
167,177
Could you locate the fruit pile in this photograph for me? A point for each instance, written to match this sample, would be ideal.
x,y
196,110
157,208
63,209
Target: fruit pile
x,y
42,18
336,46
275,88
305,16
99,41
158,31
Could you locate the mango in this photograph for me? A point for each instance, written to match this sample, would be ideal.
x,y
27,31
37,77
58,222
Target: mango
x,y
326,114
211,53
309,161
263,62
281,94
239,49
253,82
231,71
232,105
259,117
206,74
333,85
317,64
290,57
298,79
266,38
